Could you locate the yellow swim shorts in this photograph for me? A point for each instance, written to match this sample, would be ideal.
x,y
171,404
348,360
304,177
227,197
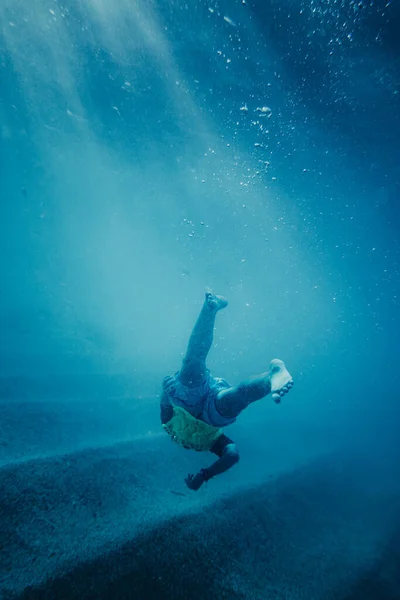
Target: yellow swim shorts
x,y
189,432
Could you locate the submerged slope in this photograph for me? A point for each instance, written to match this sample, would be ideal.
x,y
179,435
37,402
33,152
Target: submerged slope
x,y
103,523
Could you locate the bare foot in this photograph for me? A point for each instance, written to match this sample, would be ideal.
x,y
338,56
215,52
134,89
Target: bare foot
x,y
216,302
194,482
280,378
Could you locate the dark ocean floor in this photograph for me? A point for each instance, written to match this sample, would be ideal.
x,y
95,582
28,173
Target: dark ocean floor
x,y
114,521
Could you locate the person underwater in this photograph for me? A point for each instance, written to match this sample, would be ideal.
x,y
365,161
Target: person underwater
x,y
195,406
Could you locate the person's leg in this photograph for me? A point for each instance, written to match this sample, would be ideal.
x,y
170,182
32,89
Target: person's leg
x,y
277,381
228,456
193,371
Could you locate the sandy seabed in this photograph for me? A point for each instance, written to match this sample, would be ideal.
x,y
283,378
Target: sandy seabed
x,y
90,512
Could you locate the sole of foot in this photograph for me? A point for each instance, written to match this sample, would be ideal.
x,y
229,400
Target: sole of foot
x,y
216,302
280,378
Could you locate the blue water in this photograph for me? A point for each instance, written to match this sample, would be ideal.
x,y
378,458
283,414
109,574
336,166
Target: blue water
x,y
150,150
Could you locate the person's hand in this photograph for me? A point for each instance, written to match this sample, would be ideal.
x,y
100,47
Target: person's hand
x,y
168,383
194,482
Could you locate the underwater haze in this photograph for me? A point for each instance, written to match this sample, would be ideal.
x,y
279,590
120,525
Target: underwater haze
x,y
152,150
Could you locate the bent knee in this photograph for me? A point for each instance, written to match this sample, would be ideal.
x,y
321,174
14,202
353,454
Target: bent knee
x,y
233,453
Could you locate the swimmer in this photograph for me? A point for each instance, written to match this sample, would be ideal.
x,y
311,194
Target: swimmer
x,y
195,406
